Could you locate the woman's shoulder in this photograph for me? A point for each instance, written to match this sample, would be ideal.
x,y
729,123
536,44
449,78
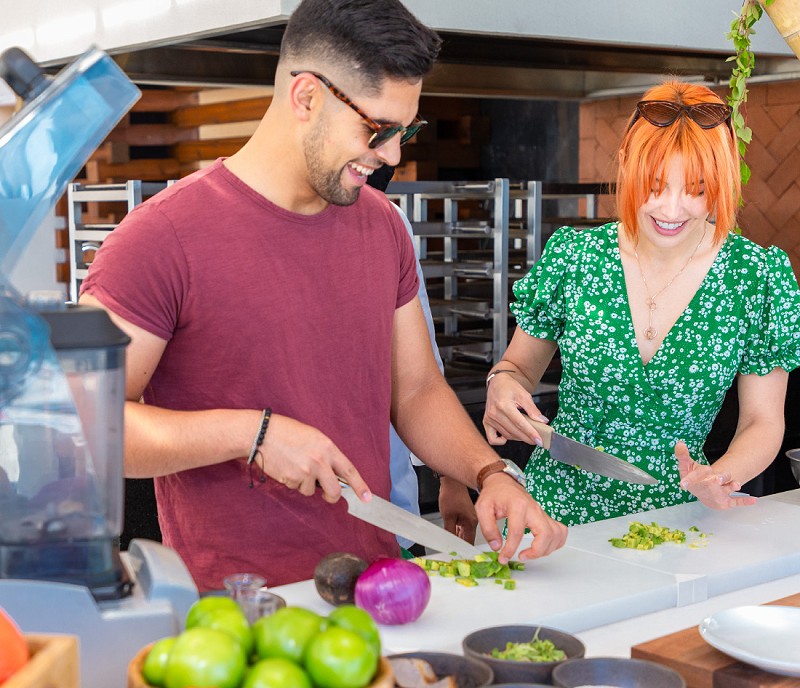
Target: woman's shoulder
x,y
568,237
748,251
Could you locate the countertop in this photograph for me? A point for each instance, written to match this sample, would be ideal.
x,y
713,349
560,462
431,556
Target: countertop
x,y
614,599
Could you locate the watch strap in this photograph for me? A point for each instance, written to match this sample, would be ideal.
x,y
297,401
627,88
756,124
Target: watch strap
x,y
487,470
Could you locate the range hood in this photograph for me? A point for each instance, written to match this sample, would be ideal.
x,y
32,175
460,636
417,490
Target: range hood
x,y
470,65
573,49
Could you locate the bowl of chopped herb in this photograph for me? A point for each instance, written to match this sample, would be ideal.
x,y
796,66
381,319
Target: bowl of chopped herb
x,y
522,654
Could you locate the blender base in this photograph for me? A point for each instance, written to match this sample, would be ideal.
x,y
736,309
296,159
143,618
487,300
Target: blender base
x,y
110,632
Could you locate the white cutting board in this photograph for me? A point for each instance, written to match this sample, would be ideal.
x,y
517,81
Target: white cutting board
x,y
571,590
745,546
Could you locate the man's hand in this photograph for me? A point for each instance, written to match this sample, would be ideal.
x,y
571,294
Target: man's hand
x,y
457,509
712,488
300,456
502,497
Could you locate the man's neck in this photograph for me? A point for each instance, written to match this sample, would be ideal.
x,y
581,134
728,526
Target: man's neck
x,y
282,182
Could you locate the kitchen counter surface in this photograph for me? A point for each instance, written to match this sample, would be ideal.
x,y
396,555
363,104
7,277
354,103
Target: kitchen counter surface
x,y
570,589
616,639
611,598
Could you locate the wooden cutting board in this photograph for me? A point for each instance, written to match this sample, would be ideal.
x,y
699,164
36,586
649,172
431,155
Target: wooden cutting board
x,y
702,666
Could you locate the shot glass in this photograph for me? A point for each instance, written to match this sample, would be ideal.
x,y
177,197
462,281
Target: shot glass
x,y
258,602
237,583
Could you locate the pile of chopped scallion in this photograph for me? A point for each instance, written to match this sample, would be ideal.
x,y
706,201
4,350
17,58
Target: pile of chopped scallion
x,y
466,572
644,536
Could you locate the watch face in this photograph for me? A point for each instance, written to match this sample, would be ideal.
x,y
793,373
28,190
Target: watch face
x,y
514,471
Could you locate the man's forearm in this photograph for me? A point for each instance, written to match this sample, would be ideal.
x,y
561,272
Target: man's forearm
x,y
160,441
437,429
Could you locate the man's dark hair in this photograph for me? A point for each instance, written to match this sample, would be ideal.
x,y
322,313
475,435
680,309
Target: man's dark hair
x,y
376,39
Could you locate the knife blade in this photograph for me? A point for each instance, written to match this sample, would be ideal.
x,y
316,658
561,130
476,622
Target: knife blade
x,y
574,453
393,519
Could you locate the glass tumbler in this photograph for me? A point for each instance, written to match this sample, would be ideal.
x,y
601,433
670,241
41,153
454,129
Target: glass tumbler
x,y
237,583
258,602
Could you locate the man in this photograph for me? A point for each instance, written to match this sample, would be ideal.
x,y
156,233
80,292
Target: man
x,y
455,506
271,296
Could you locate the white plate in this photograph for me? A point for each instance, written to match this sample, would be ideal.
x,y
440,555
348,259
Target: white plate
x,y
767,637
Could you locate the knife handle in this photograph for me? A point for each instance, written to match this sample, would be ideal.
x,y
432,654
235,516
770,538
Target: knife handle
x,y
544,430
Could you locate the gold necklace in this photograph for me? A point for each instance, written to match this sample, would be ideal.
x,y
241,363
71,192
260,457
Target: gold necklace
x,y
651,332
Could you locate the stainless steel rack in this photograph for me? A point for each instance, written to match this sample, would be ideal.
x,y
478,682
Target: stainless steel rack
x,y
85,238
470,259
467,253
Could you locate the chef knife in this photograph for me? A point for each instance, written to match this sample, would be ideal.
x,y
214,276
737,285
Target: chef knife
x,y
574,453
392,518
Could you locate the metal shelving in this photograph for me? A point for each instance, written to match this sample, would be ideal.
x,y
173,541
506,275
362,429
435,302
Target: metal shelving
x,y
86,237
470,258
461,254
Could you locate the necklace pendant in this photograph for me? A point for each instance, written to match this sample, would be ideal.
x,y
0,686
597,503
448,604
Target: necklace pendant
x,y
650,332
651,304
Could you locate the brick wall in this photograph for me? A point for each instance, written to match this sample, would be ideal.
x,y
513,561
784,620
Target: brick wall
x,y
771,213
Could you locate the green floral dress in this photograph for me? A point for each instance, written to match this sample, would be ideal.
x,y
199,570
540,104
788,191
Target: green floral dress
x,y
744,318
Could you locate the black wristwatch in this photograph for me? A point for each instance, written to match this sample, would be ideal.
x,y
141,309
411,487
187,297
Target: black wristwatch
x,y
506,466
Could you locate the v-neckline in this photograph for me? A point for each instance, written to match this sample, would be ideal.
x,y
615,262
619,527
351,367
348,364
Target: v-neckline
x,y
681,316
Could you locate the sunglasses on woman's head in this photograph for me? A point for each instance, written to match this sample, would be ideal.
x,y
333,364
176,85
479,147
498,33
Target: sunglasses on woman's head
x,y
662,113
381,132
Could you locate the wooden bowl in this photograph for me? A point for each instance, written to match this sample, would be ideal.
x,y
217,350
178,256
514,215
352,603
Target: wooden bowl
x,y
384,678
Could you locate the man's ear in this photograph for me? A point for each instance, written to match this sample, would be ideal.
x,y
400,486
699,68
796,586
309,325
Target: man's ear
x,y
304,96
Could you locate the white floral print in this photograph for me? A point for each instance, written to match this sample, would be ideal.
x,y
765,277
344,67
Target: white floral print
x,y
744,318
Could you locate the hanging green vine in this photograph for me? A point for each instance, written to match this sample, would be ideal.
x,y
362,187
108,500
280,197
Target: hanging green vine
x,y
744,61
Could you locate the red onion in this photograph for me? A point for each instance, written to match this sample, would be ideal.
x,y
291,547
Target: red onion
x,y
393,591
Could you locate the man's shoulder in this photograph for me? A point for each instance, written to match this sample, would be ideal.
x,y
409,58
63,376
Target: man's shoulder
x,y
373,198
187,189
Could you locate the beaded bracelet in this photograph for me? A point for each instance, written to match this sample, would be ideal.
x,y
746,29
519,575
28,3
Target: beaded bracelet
x,y
257,442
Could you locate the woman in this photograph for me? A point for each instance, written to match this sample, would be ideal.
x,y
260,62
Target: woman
x,y
655,315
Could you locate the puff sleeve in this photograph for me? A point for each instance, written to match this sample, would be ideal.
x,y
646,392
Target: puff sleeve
x,y
540,306
774,335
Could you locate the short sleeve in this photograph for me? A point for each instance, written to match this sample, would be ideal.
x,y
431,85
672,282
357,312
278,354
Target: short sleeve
x,y
540,307
134,280
774,336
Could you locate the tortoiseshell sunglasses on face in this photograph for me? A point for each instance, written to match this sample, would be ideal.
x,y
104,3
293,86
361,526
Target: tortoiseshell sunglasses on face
x,y
662,113
382,132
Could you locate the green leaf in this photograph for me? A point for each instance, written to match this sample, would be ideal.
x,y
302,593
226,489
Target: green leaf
x,y
742,147
746,134
745,172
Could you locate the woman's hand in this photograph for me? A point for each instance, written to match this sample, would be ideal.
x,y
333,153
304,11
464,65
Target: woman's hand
x,y
503,419
712,488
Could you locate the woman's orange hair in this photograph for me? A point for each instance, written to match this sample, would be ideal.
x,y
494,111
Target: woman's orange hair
x,y
710,157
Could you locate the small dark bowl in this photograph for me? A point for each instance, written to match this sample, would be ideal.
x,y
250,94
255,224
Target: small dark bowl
x,y
469,673
615,671
479,645
794,461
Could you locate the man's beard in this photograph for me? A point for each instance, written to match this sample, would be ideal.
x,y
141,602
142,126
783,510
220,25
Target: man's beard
x,y
327,183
